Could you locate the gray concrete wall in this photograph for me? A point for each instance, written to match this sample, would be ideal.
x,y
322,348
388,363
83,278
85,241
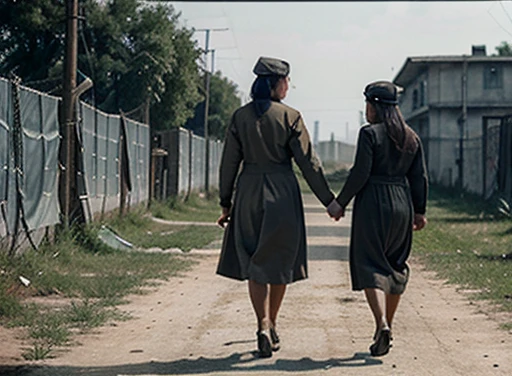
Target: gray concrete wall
x,y
441,113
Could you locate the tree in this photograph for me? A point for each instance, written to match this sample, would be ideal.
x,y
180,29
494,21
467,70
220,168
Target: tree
x,y
182,83
504,49
224,100
135,52
141,57
32,39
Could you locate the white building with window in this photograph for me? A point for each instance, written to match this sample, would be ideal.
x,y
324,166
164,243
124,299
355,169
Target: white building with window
x,y
456,104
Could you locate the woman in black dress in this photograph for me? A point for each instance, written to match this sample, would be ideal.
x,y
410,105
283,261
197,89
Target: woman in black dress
x,y
265,238
389,182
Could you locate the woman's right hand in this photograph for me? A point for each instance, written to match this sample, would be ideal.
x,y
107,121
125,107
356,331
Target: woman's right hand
x,y
224,217
419,222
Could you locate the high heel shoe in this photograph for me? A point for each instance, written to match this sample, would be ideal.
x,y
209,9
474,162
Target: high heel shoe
x,y
390,335
382,343
275,339
264,344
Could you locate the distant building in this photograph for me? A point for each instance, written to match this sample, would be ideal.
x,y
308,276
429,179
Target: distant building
x,y
335,151
457,105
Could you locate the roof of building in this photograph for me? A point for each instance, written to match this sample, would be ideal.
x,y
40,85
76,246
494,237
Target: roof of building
x,y
413,66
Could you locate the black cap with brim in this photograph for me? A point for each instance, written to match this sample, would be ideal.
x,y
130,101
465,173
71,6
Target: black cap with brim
x,y
269,66
381,92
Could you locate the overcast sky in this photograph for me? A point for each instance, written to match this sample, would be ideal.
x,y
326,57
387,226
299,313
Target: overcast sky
x,y
336,48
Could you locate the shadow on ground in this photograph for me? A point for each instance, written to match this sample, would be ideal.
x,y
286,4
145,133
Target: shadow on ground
x,y
321,209
328,252
237,362
343,231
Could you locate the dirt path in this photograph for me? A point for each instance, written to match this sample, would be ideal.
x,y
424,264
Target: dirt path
x,y
203,324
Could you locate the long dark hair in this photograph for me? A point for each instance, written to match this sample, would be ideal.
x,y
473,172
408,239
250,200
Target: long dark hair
x,y
400,133
261,92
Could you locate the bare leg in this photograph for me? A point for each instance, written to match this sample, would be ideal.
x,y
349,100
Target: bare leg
x,y
260,302
392,301
260,298
276,298
377,301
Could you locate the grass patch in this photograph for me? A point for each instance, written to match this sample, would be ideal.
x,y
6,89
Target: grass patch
x,y
196,208
467,243
38,351
9,304
51,328
144,233
171,236
182,237
72,270
86,315
89,278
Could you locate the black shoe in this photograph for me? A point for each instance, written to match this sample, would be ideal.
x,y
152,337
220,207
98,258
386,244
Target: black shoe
x,y
390,335
275,339
382,344
264,346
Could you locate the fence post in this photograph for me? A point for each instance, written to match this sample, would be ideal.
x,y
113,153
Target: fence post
x,y
190,164
68,109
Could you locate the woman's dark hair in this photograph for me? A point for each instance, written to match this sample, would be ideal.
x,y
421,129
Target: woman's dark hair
x,y
261,91
403,137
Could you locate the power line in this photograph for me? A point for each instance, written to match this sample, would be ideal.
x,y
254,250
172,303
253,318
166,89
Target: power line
x,y
495,20
503,7
232,28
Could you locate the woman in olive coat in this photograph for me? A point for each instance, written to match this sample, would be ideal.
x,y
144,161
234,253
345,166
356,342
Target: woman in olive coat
x,y
389,182
265,237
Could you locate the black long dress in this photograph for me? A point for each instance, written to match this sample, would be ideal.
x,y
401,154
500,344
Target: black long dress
x,y
265,240
389,187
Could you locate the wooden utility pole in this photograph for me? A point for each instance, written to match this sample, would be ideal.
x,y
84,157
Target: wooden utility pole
x,y
68,118
207,76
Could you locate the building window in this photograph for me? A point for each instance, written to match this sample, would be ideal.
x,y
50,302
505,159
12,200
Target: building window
x,y
493,77
423,93
415,99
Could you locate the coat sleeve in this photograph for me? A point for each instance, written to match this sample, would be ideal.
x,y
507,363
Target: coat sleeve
x,y
308,162
360,171
418,181
229,165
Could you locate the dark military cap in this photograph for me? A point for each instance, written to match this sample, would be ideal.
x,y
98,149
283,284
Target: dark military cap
x,y
381,92
268,66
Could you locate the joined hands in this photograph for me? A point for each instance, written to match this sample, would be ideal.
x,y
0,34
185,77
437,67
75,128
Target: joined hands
x,y
335,210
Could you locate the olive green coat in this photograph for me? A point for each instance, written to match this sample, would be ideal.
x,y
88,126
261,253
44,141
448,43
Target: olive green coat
x,y
389,187
265,239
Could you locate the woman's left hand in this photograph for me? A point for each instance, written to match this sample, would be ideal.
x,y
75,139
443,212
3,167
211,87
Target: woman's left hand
x,y
224,217
419,222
